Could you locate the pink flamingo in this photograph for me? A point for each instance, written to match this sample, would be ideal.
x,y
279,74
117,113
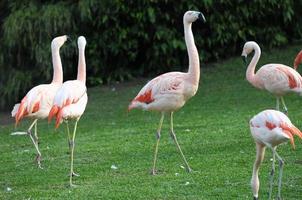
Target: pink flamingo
x,y
277,79
270,128
169,92
298,60
38,101
70,102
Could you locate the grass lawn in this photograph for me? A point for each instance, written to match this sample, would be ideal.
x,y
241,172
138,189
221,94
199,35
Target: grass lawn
x,y
212,129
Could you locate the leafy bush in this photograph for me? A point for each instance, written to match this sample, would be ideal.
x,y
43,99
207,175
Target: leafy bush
x,y
130,38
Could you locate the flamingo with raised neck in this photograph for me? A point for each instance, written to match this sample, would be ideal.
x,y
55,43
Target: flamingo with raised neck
x,y
169,92
277,79
38,101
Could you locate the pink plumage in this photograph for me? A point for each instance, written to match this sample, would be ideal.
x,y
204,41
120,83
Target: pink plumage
x,y
298,60
270,128
170,91
38,101
277,79
70,102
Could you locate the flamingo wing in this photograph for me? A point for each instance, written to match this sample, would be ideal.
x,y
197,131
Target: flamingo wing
x,y
29,104
279,79
169,83
272,127
70,93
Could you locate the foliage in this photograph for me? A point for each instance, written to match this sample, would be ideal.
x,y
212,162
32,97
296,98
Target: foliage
x,y
131,38
212,129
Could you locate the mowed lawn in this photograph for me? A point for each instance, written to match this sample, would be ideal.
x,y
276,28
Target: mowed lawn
x,y
212,129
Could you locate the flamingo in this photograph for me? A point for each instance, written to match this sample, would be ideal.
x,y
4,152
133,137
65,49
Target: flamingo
x,y
70,102
270,128
277,79
298,60
37,102
168,92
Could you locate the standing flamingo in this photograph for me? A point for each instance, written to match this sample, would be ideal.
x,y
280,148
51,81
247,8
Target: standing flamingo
x,y
277,79
169,92
270,128
298,60
38,101
70,102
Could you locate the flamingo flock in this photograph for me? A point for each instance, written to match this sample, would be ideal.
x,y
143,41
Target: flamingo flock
x,y
167,93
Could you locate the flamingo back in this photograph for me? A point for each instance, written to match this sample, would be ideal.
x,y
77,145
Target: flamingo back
x,y
71,95
279,79
167,92
271,128
36,103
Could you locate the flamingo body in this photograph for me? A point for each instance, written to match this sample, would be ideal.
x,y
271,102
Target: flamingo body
x,y
170,91
69,102
277,79
166,93
270,128
38,101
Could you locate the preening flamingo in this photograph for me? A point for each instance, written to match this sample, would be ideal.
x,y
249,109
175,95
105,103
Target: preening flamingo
x,y
270,128
70,102
277,79
38,101
298,60
169,92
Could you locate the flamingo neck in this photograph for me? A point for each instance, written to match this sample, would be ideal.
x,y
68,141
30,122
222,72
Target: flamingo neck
x,y
57,66
260,150
82,66
250,72
194,70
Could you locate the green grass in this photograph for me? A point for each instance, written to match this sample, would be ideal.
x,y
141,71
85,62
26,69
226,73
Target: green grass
x,y
212,129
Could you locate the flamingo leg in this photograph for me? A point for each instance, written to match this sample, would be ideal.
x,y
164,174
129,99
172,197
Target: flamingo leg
x,y
72,153
35,141
277,103
272,177
178,147
284,106
68,134
153,172
281,163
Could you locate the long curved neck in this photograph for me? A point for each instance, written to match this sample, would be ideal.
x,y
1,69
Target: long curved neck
x,y
260,150
57,65
82,65
250,72
194,70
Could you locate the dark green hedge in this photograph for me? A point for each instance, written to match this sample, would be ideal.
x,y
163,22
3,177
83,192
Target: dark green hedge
x,y
130,38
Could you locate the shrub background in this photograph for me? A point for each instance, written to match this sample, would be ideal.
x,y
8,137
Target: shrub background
x,y
128,39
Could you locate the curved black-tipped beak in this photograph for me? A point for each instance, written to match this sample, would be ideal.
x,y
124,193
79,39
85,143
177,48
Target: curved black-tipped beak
x,y
68,38
244,58
201,17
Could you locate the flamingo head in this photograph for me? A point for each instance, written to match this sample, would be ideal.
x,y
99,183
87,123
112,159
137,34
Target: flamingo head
x,y
192,16
59,41
81,42
247,49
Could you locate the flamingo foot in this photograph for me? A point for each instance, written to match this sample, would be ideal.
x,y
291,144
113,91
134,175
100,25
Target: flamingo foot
x,y
189,170
153,172
72,185
75,174
38,160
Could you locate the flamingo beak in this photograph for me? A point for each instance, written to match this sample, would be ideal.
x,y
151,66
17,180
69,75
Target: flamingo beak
x,y
68,38
201,17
